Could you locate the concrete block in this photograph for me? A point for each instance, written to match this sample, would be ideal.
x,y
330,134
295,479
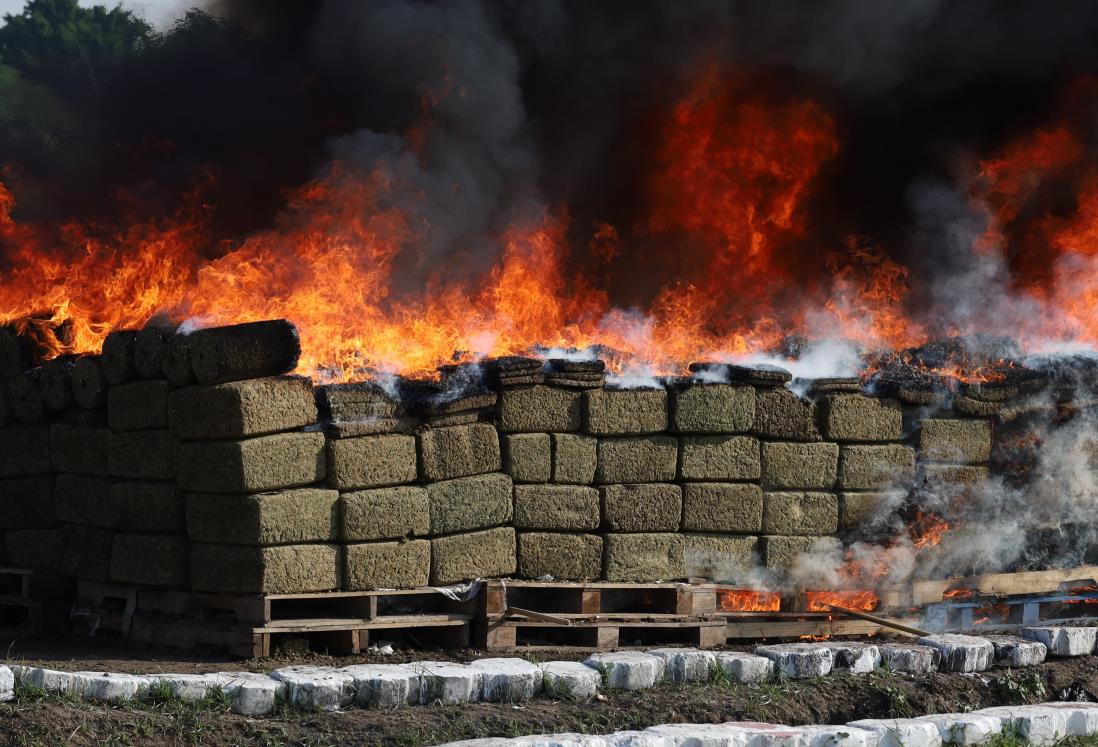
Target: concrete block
x,y
718,557
448,683
462,557
156,506
7,684
644,507
901,657
901,732
800,513
864,510
834,736
568,557
1063,641
712,408
623,412
53,681
799,660
280,517
284,569
574,458
644,557
1082,718
186,687
799,465
722,507
868,467
779,553
710,458
685,664
33,548
84,552
954,441
783,416
528,457
1036,724
638,459
1012,651
469,503
384,513
112,687
458,451
386,565
746,668
252,694
143,455
138,406
507,679
25,450
556,507
371,461
961,653
27,502
240,409
316,688
540,409
253,465
627,670
965,728
80,448
570,680
858,658
384,685
856,417
150,559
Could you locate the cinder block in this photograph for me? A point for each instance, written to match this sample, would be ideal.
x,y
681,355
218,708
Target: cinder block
x,y
469,503
253,465
25,450
528,457
720,458
574,458
722,507
800,465
26,502
281,517
143,455
570,507
644,557
384,513
371,461
240,409
623,412
868,467
857,417
568,557
138,406
719,557
81,449
284,569
783,416
955,441
540,409
150,559
643,507
636,459
148,506
799,513
712,408
386,565
779,553
461,557
458,451
84,552
864,510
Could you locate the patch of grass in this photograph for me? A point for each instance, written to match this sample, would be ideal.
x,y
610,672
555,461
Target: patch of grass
x,y
718,677
1017,688
895,698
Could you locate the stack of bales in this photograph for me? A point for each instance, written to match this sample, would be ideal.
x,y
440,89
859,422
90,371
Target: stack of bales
x,y
953,453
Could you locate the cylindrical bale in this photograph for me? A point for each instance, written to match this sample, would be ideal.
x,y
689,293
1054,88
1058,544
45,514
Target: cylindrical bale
x,y
149,349
89,385
55,382
26,397
15,353
244,351
176,366
117,359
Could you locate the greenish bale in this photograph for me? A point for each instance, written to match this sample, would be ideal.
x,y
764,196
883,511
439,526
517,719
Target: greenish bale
x,y
780,553
469,503
386,565
868,467
81,449
239,409
782,415
150,559
458,451
856,417
711,458
371,461
34,548
712,408
85,552
86,499
719,557
143,455
955,441
27,502
800,513
575,458
644,557
282,517
527,457
138,406
148,506
556,507
722,507
799,465
384,513
565,557
254,465
25,450
539,409
636,459
644,507
463,557
621,412
282,569
862,510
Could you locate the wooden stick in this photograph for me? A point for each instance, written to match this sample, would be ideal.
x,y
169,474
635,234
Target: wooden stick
x,y
539,616
879,620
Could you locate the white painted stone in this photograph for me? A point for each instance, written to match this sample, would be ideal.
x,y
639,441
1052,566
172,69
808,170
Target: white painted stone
x,y
316,688
21,672
838,736
570,679
189,687
1063,641
252,694
636,739
965,728
901,657
901,732
1082,717
447,682
859,658
1012,651
744,668
54,681
1036,724
799,660
111,686
685,664
961,653
627,670
700,735
384,685
536,740
7,683
507,679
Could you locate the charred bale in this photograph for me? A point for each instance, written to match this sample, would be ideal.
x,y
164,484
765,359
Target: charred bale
x,y
244,351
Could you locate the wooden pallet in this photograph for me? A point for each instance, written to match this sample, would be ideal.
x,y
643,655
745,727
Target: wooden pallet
x,y
1021,582
568,597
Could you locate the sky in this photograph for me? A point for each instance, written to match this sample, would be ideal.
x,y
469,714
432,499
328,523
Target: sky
x,y
159,13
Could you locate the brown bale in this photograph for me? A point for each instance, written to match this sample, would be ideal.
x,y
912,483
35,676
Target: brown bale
x,y
565,557
780,553
858,510
568,507
26,502
458,451
712,408
176,365
244,351
25,450
150,559
89,385
85,552
386,565
463,557
148,506
281,569
710,458
384,513
722,507
955,441
150,347
952,479
77,448
575,458
800,465
800,513
25,397
645,507
85,499
251,465
371,461
782,415
719,557
55,382
143,455
621,412
281,517
138,406
39,549
540,409
468,503
644,557
242,408
117,357
872,466
527,457
636,459
856,417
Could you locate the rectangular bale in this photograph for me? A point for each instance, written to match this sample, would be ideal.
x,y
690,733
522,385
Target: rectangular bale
x,y
150,559
143,455
463,557
719,557
25,450
954,441
282,517
469,503
644,557
800,513
575,458
155,506
712,408
384,513
710,458
27,502
800,465
34,548
242,408
81,449
138,406
636,459
859,511
85,552
871,466
857,417
527,457
722,507
371,461
564,557
254,465
244,351
458,451
782,415
386,565
781,553
86,499
643,507
282,569
952,478
540,409
570,507
623,412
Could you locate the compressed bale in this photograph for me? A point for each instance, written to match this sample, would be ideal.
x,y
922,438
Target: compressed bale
x,y
6,415
780,553
85,552
26,502
862,510
150,347
866,467
55,382
540,409
567,557
720,458
800,465
15,353
117,357
556,507
244,351
25,397
462,557
282,517
856,417
719,557
646,507
458,451
89,385
77,448
89,418
253,465
800,513
240,409
722,507
143,455
575,458
644,557
950,477
636,459
177,361
150,559
712,408
371,461
384,513
86,499
527,457
282,569
148,506
386,565
955,441
33,548
469,503
24,450
780,414
622,412
138,406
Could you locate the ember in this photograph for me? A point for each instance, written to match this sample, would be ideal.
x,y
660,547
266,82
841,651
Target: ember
x,y
745,600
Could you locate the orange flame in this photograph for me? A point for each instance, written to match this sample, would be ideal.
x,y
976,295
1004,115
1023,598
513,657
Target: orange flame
x,y
863,600
748,600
